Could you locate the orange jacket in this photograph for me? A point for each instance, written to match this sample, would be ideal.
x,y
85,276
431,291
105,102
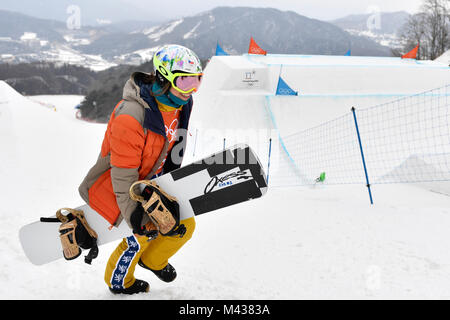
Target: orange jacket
x,y
133,148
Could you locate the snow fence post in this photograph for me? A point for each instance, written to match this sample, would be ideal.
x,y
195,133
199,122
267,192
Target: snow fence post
x,y
268,162
362,154
195,142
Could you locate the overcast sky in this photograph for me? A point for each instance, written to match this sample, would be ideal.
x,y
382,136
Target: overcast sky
x,y
318,9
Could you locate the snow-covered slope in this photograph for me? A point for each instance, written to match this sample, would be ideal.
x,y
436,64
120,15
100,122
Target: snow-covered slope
x,y
444,58
324,242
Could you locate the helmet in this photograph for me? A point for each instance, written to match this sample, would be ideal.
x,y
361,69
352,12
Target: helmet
x,y
180,66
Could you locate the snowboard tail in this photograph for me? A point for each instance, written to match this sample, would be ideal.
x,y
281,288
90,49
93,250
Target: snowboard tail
x,y
221,180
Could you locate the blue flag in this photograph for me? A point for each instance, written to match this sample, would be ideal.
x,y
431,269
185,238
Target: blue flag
x,y
349,53
220,51
284,90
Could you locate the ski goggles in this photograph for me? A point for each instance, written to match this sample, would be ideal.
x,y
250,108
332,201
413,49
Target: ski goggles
x,y
186,82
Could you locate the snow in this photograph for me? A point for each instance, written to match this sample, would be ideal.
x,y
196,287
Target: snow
x,y
390,40
323,242
444,58
191,33
146,54
67,55
76,41
141,56
28,36
103,21
156,33
328,87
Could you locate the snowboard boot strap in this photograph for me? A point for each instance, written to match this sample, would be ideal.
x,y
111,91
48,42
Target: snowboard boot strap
x,y
75,232
151,184
166,221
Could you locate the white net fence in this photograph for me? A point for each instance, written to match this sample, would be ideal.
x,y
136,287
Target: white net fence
x,y
407,140
403,141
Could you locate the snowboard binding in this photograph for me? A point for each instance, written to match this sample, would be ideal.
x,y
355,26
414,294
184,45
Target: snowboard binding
x,y
162,209
75,233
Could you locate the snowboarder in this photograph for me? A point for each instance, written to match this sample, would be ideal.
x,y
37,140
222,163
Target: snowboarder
x,y
145,138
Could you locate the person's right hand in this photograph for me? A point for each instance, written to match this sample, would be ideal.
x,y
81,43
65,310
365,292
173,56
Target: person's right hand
x,y
147,230
136,220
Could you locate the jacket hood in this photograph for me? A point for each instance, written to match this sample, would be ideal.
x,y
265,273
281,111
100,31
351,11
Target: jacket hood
x,y
134,86
138,88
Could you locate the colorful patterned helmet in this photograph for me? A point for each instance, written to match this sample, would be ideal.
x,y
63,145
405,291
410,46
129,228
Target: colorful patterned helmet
x,y
173,61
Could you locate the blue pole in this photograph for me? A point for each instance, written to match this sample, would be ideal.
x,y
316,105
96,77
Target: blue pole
x,y
268,163
362,155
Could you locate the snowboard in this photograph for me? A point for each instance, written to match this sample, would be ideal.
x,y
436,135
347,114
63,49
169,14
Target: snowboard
x,y
223,179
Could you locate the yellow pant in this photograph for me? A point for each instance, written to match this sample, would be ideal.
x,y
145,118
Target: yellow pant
x,y
154,254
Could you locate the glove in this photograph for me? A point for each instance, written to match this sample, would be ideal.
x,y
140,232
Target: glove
x,y
136,220
147,193
172,206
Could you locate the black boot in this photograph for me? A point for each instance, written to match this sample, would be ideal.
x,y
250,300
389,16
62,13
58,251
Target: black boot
x,y
139,286
168,274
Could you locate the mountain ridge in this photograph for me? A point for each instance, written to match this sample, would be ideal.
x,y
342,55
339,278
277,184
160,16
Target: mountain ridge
x,y
276,31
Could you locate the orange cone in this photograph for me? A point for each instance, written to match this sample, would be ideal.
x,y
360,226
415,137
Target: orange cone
x,y
412,54
255,49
